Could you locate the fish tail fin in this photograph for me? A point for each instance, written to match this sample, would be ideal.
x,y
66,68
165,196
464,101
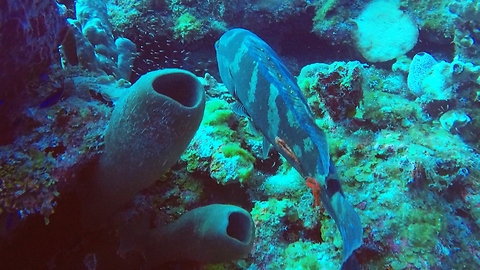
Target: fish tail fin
x,y
348,223
345,216
347,220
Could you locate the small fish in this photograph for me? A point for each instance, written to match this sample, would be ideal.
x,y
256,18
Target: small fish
x,y
267,93
53,98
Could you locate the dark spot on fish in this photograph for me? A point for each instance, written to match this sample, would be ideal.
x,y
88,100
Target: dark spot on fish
x,y
333,186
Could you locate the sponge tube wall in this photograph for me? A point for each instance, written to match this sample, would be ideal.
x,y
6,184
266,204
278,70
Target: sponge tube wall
x,y
210,234
149,129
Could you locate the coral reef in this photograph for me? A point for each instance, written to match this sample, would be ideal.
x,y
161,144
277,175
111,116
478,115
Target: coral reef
x,y
336,88
332,22
466,29
41,165
94,44
230,164
186,27
436,26
215,149
402,133
29,34
440,81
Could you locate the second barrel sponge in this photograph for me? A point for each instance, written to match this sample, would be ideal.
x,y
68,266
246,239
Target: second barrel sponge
x,y
215,233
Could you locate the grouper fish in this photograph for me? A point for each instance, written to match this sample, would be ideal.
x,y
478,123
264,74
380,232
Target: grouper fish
x,y
267,93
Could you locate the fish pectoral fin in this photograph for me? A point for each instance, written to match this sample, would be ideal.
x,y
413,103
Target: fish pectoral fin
x,y
239,109
348,223
253,130
265,148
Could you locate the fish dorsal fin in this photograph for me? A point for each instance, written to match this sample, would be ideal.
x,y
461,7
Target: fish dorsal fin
x,y
239,109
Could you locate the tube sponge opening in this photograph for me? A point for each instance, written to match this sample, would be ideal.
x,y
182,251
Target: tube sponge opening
x,y
169,85
237,224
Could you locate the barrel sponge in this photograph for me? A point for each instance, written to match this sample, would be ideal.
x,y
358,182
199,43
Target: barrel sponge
x,y
214,233
420,67
384,32
149,129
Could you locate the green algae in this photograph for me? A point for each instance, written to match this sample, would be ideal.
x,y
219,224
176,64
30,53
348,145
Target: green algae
x,y
187,27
